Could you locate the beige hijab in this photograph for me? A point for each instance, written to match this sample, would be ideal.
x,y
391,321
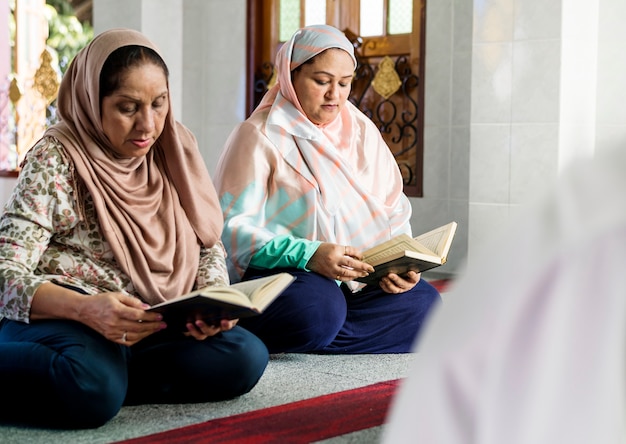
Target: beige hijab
x,y
155,211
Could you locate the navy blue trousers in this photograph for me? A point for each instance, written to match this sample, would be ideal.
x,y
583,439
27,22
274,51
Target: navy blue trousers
x,y
63,374
314,314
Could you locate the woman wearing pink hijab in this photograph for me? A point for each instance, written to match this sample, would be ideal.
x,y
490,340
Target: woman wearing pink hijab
x,y
113,211
306,183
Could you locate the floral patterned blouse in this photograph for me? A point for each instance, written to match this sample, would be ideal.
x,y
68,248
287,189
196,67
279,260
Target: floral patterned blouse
x,y
43,239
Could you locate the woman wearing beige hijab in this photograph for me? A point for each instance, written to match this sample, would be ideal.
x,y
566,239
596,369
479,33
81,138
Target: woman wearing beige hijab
x,y
113,211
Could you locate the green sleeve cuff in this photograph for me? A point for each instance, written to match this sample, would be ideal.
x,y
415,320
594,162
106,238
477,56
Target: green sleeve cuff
x,y
285,251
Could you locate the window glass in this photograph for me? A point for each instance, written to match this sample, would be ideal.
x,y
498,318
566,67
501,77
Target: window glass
x,y
371,17
400,17
289,19
314,12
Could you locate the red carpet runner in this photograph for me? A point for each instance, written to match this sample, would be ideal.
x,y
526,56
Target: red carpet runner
x,y
304,421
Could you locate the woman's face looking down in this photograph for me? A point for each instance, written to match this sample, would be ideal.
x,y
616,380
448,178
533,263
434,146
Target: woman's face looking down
x,y
323,84
133,116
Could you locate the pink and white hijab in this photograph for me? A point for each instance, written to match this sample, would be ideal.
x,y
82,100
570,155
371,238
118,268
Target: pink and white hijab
x,y
343,157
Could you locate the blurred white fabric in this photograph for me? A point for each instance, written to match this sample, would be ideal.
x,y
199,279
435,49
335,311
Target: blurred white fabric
x,y
529,344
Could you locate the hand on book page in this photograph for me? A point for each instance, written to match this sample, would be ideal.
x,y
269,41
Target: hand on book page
x,y
215,303
403,253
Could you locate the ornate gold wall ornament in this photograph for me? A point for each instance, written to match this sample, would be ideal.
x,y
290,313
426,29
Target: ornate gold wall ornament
x,y
386,81
46,78
15,93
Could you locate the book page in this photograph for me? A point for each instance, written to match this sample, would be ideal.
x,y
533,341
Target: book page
x,y
248,287
218,293
398,244
226,294
262,290
223,302
439,239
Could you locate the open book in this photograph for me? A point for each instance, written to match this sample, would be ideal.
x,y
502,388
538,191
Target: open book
x,y
404,253
240,300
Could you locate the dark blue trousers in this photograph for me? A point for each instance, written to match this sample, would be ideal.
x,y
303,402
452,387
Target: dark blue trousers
x,y
63,374
314,314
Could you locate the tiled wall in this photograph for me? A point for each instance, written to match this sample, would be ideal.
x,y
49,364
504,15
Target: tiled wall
x,y
515,91
219,29
611,79
515,109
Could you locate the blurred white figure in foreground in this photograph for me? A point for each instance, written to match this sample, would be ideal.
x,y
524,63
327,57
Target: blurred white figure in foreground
x,y
529,346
